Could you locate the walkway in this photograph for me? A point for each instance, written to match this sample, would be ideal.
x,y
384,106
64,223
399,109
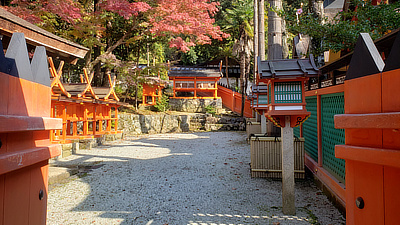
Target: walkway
x,y
191,178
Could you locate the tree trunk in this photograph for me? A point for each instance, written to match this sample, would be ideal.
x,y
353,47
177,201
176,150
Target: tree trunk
x,y
261,29
242,77
226,71
274,31
110,49
97,68
285,44
136,78
96,51
255,50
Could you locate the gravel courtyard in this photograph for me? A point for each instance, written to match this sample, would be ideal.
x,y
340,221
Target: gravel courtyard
x,y
187,178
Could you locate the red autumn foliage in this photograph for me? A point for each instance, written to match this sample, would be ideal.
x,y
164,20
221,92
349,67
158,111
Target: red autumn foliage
x,y
192,18
188,22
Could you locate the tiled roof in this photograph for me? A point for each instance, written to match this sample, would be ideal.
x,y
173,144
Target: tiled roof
x,y
287,68
193,72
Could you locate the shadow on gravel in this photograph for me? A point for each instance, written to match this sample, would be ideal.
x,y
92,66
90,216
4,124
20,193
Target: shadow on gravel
x,y
192,178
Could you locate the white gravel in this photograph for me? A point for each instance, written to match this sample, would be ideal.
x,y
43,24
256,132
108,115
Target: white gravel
x,y
190,178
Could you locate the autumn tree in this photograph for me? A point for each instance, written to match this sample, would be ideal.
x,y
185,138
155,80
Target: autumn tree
x,y
112,23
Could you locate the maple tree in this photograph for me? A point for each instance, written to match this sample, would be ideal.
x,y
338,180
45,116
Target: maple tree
x,y
185,22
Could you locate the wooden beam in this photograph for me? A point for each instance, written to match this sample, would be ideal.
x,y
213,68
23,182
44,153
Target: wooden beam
x,y
10,123
372,120
379,156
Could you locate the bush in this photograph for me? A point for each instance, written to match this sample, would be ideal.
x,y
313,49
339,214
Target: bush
x,y
211,109
162,104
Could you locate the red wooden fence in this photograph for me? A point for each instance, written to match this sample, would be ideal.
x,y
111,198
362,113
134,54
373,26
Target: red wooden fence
x,y
233,101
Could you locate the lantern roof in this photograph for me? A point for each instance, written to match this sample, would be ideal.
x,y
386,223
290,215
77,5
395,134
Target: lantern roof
x,y
287,68
193,72
259,89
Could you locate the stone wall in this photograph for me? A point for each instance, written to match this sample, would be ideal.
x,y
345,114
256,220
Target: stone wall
x,y
194,105
133,124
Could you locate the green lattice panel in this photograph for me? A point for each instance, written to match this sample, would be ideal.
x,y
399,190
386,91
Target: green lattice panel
x,y
288,92
310,131
269,93
263,99
331,105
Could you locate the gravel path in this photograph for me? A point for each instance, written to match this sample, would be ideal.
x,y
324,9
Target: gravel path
x,y
190,178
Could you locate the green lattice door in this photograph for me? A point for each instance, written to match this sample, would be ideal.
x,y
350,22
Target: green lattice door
x,y
331,105
310,131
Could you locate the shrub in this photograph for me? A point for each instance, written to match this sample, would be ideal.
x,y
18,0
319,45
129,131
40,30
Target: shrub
x,y
162,104
211,109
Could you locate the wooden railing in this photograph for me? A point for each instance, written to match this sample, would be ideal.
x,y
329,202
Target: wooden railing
x,y
233,101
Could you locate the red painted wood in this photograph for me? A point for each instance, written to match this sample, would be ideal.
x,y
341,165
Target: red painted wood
x,y
9,123
366,181
16,100
372,120
1,199
325,91
391,138
37,207
337,188
363,95
392,196
391,91
377,156
24,158
4,92
18,141
16,198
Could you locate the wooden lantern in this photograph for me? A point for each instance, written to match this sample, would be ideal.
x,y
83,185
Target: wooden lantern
x,y
284,81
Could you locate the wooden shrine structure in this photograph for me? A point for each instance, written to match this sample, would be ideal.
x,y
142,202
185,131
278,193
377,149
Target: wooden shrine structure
x,y
195,82
86,111
372,142
25,117
152,90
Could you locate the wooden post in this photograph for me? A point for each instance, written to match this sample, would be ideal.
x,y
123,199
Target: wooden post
x,y
101,120
109,119
195,88
94,123
216,90
174,89
64,119
116,119
288,197
85,121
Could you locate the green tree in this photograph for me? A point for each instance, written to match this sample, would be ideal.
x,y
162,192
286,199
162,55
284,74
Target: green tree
x,y
342,32
238,22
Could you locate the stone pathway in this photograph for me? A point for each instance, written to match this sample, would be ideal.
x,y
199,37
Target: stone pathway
x,y
189,178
